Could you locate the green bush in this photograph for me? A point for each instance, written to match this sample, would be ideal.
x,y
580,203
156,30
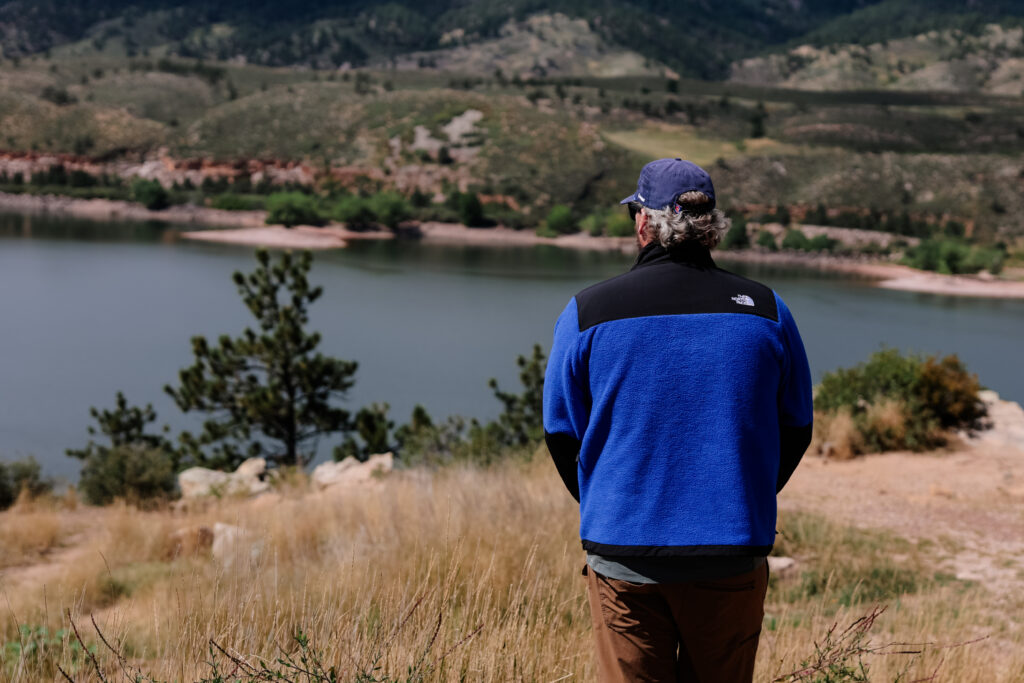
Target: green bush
x,y
35,652
21,475
355,212
374,430
766,240
559,220
390,208
292,208
502,214
894,402
618,225
822,243
737,237
134,473
593,223
229,201
954,256
471,211
796,239
150,194
611,223
137,465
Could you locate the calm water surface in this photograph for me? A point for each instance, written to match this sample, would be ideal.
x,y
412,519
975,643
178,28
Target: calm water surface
x,y
88,309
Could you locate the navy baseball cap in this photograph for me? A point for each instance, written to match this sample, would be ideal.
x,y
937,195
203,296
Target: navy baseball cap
x,y
663,180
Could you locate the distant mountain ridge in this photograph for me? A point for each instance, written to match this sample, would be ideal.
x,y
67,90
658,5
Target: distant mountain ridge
x,y
698,38
991,62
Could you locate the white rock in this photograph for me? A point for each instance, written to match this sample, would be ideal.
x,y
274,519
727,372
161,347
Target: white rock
x,y
778,565
250,479
233,543
351,472
198,482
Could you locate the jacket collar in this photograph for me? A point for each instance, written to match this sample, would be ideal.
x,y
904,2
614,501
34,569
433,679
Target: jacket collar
x,y
690,253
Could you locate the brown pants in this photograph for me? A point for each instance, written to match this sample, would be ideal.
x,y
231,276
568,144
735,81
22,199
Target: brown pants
x,y
700,631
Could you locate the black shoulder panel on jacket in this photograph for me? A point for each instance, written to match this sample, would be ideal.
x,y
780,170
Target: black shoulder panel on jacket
x,y
671,287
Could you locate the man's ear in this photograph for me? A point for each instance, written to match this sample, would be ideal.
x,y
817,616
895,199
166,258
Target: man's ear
x,y
641,225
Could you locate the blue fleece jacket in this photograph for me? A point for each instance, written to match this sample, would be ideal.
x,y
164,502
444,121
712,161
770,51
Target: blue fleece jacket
x,y
678,419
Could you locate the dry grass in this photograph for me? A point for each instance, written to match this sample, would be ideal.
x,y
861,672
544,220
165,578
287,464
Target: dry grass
x,y
660,140
29,531
494,549
836,434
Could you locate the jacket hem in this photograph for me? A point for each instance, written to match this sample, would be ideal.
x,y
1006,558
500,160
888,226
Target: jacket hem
x,y
675,550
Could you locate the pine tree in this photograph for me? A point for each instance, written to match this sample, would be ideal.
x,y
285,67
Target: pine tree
x,y
125,426
268,392
521,422
137,465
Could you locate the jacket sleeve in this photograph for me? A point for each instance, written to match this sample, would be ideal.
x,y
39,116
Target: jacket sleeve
x,y
796,403
566,399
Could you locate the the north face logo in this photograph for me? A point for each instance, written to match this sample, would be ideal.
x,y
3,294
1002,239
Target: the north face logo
x,y
743,300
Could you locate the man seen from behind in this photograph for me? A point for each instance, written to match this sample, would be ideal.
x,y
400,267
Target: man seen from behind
x,y
677,403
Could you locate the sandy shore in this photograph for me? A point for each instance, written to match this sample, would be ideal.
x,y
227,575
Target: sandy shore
x,y
886,275
453,233
114,210
955,285
280,237
248,228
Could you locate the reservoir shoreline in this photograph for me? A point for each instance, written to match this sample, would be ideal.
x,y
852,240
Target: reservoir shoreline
x,y
249,228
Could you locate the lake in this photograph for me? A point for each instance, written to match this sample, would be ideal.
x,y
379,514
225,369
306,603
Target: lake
x,y
88,309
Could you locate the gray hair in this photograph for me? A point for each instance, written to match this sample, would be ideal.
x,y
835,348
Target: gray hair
x,y
695,223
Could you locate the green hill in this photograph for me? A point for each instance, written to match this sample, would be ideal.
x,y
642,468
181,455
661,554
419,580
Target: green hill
x,y
988,61
695,37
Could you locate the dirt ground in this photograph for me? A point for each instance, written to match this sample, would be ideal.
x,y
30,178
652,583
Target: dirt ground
x,y
968,499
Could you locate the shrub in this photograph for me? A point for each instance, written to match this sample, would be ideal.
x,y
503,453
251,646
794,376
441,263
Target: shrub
x,y
737,237
355,212
559,220
471,211
894,402
228,201
374,431
390,208
593,224
150,194
420,199
59,96
292,208
20,476
618,225
79,178
795,239
132,472
954,256
136,465
766,240
822,243
611,223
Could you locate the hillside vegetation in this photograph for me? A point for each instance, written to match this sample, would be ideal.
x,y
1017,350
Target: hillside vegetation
x,y
990,61
685,37
524,112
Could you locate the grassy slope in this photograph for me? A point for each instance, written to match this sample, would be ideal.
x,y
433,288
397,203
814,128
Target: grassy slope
x,y
948,153
992,62
455,550
324,32
891,19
